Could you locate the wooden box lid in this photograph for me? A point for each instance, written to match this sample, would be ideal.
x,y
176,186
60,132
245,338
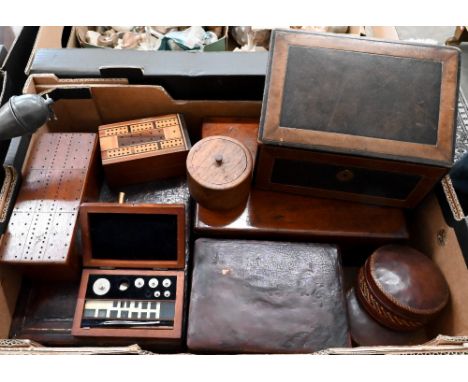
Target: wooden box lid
x,y
142,236
361,96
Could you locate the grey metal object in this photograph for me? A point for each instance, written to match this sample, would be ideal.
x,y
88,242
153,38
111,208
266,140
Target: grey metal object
x,y
23,115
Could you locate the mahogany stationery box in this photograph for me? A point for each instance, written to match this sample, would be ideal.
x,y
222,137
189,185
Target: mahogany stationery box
x,y
143,150
277,215
138,291
357,119
60,173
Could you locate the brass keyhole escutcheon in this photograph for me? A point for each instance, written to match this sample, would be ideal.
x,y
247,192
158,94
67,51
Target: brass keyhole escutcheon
x,y
345,175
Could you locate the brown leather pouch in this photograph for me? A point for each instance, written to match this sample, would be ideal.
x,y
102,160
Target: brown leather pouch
x,y
266,297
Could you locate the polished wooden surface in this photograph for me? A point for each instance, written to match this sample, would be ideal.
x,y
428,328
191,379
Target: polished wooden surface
x,y
278,215
60,172
244,130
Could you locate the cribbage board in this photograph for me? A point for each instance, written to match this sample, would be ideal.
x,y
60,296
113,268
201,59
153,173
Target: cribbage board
x,y
42,226
127,303
143,150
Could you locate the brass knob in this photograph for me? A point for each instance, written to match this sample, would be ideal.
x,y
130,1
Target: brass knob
x,y
345,175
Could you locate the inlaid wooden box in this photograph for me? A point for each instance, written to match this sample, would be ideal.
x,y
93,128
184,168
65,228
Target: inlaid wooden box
x,y
144,150
134,282
357,119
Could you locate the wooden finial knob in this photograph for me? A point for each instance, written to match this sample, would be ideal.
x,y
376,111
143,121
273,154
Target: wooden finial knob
x,y
219,159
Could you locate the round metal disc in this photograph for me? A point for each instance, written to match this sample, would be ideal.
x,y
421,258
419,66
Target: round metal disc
x,y
101,286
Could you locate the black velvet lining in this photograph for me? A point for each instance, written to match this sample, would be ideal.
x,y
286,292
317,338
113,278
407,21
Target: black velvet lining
x,y
133,236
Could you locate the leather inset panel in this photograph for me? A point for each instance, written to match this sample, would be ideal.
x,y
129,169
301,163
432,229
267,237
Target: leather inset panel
x,y
362,94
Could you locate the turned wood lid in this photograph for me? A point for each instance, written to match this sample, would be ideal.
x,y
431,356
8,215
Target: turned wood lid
x,y
401,287
219,162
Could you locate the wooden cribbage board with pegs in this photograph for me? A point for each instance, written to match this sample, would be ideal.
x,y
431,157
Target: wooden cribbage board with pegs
x,y
140,138
143,150
57,177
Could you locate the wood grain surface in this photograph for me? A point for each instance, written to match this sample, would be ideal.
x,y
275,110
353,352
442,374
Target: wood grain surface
x,y
57,177
219,172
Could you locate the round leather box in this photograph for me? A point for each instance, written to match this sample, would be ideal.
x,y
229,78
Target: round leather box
x,y
219,172
365,331
401,288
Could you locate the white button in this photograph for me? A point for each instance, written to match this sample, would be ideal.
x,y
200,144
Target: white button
x,y
166,283
101,286
123,286
157,294
139,282
153,283
167,293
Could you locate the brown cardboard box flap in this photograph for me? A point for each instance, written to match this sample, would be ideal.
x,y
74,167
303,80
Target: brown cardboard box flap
x,y
441,345
83,105
24,347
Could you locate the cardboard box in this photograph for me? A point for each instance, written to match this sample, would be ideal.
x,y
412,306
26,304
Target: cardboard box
x,y
184,75
84,105
78,38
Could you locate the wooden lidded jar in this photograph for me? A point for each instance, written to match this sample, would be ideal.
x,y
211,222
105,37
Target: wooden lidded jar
x,y
219,172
